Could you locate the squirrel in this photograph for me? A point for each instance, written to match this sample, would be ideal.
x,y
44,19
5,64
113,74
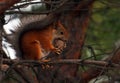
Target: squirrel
x,y
33,39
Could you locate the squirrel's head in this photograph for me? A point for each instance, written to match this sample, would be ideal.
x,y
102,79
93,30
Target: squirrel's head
x,y
60,32
61,35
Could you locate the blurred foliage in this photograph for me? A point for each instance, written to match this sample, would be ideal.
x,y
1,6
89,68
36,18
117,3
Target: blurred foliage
x,y
104,27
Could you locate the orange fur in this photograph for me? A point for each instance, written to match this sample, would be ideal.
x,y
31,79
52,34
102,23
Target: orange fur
x,y
36,43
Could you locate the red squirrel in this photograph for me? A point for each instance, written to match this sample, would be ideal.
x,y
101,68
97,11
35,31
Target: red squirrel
x,y
33,40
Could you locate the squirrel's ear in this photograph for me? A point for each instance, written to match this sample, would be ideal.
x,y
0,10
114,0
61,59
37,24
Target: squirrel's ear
x,y
59,22
55,25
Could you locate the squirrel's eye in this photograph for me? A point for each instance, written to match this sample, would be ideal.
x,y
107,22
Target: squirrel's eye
x,y
61,33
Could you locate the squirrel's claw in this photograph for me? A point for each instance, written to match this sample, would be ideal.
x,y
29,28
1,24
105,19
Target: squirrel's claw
x,y
58,51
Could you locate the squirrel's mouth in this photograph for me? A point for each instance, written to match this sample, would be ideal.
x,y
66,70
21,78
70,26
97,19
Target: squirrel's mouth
x,y
60,39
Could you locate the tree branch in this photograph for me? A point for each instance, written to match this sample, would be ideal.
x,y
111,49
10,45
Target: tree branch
x,y
58,62
112,60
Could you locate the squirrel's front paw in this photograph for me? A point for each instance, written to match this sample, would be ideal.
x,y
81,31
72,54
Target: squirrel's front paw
x,y
58,51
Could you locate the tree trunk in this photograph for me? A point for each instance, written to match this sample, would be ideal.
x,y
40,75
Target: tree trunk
x,y
76,22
